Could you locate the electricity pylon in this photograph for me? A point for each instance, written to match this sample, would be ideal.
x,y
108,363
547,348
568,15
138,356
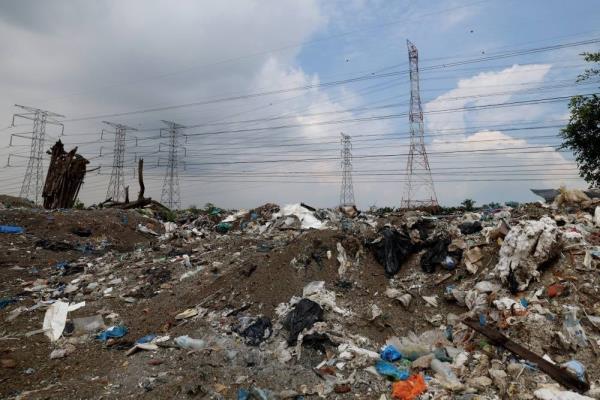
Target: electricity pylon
x,y
170,191
347,189
35,166
419,189
116,184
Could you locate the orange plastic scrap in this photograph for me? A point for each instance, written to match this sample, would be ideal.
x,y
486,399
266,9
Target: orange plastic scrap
x,y
409,389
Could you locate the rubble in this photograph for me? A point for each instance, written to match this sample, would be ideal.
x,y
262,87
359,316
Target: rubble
x,y
300,302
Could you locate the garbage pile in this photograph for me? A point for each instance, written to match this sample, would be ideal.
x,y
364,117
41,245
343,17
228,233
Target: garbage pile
x,y
295,302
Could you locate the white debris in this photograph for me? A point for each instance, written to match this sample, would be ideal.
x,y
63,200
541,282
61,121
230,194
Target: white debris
x,y
55,320
431,300
316,292
307,218
554,392
145,229
342,259
528,245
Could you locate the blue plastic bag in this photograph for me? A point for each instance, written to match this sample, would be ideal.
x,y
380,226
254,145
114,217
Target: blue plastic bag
x,y
146,339
112,332
390,353
391,371
11,229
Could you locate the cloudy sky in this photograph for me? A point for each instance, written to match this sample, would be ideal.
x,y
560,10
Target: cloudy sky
x,y
264,89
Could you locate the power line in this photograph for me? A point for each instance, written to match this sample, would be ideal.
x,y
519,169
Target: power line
x,y
339,82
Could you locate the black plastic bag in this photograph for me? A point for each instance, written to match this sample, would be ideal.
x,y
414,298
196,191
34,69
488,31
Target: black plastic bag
x,y
435,255
467,228
259,331
303,316
392,250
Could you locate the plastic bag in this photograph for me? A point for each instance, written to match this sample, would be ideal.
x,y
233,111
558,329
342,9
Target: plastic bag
x,y
391,371
409,389
303,316
392,250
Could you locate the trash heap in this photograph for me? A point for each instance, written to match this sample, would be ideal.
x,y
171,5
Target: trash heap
x,y
294,302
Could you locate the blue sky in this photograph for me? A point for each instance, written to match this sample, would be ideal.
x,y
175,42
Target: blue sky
x,y
65,58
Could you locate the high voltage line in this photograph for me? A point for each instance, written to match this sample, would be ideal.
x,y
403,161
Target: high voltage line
x,y
339,82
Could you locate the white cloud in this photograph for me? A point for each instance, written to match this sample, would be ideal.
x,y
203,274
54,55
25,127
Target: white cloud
x,y
492,88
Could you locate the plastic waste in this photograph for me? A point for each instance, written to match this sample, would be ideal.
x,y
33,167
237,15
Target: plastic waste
x,y
223,227
597,216
390,353
527,246
191,273
470,227
186,342
304,315
307,218
435,255
342,259
254,394
576,368
392,249
112,332
11,229
316,292
145,229
446,375
55,320
90,324
6,302
146,339
391,371
410,389
575,332
554,392
257,332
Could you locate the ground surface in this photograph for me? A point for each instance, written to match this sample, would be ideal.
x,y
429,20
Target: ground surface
x,y
245,275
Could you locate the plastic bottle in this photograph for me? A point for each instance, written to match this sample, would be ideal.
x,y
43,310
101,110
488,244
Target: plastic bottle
x,y
186,342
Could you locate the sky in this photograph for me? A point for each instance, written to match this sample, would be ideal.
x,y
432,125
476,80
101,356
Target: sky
x,y
263,90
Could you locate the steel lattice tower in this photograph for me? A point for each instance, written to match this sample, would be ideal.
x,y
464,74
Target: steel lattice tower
x,y
347,189
170,191
116,184
419,189
34,175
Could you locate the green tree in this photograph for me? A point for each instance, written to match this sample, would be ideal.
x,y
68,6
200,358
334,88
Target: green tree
x,y
582,133
468,204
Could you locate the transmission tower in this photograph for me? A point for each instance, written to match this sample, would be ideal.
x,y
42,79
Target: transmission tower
x,y
33,181
170,190
116,184
347,189
419,189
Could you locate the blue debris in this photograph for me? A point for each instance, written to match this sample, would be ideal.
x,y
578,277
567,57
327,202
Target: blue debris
x,y
524,302
61,265
253,216
390,353
254,393
5,302
146,339
448,332
577,368
112,332
449,263
11,229
482,320
391,371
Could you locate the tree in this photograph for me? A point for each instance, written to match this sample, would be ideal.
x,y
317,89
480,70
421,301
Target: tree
x,y
468,204
582,133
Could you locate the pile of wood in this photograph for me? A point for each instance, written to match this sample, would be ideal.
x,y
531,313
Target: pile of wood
x,y
64,178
